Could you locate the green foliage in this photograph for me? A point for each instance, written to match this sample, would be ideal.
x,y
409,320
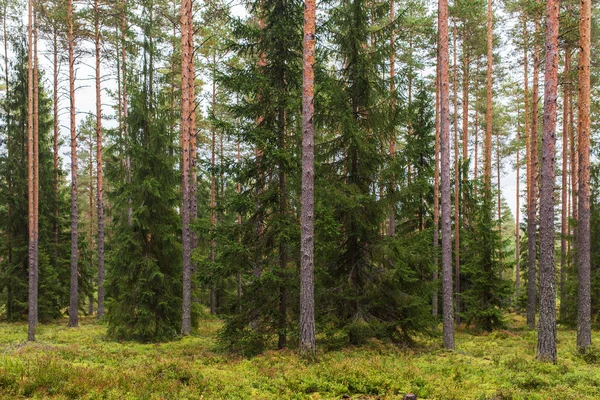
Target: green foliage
x,y
144,270
486,290
53,260
69,363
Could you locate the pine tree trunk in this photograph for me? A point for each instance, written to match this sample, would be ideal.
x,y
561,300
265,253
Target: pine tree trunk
x,y
564,188
8,144
187,84
517,219
283,255
125,105
213,309
527,146
307,301
584,333
31,317
99,167
456,188
436,189
91,225
74,293
448,312
392,227
36,157
55,138
489,93
532,194
546,349
465,119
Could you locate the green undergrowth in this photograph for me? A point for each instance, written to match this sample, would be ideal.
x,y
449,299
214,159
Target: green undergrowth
x,y
67,363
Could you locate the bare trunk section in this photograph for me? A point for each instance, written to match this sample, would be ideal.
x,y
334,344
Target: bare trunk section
x,y
55,136
99,166
448,312
532,194
584,330
530,316
489,93
125,105
392,227
517,219
307,301
436,188
32,295
91,224
187,84
456,188
546,349
564,188
36,157
212,192
74,293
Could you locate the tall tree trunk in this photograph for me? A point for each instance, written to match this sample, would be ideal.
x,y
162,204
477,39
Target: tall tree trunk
x,y
99,166
32,295
532,194
55,137
392,227
448,312
456,187
465,118
565,188
488,114
8,144
584,330
528,184
125,105
307,301
436,187
283,255
73,316
187,85
517,219
36,157
91,224
239,222
213,309
546,349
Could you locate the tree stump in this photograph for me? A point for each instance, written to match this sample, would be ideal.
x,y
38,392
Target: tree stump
x,y
410,396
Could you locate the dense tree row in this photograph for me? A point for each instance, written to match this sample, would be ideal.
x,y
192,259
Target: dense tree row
x,y
299,173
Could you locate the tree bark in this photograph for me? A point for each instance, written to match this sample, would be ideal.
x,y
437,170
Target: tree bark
x,y
528,184
564,188
36,157
307,301
55,138
187,84
436,188
392,227
488,114
31,317
99,166
125,105
584,330
546,349
456,187
532,194
73,316
448,312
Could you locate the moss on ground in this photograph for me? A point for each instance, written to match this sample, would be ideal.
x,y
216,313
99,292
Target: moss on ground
x,y
68,363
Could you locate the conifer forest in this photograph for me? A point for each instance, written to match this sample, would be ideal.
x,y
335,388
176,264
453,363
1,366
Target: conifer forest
x,y
289,199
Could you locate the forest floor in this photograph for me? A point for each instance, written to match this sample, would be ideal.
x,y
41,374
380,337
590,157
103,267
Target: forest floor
x,y
69,363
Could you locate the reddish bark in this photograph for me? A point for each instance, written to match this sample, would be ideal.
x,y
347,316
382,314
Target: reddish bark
x,y
307,302
584,330
546,349
448,312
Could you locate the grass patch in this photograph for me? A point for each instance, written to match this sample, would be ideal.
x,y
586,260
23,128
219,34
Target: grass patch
x,y
68,363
